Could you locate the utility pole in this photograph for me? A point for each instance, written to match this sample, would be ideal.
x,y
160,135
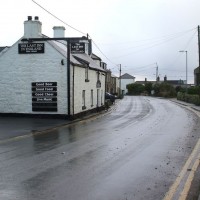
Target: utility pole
x,y
156,72
120,73
199,43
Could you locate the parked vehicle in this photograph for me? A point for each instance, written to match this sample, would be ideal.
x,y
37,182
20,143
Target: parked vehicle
x,y
110,97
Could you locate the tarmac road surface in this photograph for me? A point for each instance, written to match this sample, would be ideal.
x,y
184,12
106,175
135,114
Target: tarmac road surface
x,y
138,151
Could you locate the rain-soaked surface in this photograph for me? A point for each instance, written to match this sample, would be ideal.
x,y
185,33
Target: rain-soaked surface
x,y
133,153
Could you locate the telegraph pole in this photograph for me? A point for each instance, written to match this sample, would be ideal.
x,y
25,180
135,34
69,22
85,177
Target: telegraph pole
x,y
156,72
199,43
120,73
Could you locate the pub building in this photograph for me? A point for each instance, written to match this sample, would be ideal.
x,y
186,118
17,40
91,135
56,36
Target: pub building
x,y
40,77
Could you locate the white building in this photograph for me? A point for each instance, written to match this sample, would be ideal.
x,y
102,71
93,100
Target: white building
x,y
35,77
125,80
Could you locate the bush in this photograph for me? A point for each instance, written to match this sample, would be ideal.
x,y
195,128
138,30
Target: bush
x,y
164,90
194,99
194,90
135,89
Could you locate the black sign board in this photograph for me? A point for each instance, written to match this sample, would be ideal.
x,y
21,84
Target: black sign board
x,y
44,96
77,47
26,48
44,84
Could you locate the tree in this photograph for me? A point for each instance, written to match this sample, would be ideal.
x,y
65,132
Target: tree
x,y
164,90
148,87
135,88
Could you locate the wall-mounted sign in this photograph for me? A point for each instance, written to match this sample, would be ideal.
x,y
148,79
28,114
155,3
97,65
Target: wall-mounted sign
x,y
98,84
44,96
77,47
26,48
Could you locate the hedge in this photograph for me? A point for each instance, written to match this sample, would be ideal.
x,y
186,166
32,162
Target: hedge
x,y
189,98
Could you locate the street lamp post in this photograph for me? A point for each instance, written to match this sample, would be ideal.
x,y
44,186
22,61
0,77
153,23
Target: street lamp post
x,y
120,74
186,63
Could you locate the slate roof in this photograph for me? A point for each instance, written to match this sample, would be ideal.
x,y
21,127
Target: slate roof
x,y
77,59
113,76
127,76
95,57
3,48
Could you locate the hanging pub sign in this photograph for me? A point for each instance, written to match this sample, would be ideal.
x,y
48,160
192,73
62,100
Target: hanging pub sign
x,y
27,48
44,96
77,47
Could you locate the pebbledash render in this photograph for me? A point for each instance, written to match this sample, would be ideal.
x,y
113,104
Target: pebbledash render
x,y
35,78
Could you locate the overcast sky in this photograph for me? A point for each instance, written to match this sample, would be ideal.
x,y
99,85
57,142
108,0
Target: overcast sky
x,y
138,34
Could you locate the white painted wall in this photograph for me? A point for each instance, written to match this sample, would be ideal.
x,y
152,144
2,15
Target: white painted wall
x,y
80,85
125,82
18,71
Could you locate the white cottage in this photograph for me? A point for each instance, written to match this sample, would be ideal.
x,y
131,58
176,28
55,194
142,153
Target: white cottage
x,y
125,80
37,77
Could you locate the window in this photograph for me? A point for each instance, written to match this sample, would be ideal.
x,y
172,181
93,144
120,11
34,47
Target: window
x,y
98,76
86,74
101,97
91,99
83,100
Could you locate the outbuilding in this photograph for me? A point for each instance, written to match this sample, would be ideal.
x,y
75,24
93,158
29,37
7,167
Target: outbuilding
x,y
39,76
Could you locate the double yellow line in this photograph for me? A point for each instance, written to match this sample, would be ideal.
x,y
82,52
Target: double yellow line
x,y
194,158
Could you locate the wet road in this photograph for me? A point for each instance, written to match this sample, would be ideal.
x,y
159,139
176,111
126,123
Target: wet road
x,y
133,153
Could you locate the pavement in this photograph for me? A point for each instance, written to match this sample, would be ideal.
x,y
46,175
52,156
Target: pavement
x,y
196,108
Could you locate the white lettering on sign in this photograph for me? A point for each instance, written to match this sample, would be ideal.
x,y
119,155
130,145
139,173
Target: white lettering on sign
x,y
39,84
44,96
39,94
48,84
39,89
24,48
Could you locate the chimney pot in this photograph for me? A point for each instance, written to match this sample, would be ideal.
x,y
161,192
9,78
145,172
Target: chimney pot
x,y
59,31
32,28
36,18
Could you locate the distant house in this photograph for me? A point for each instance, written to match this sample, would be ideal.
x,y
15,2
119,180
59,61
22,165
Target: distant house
x,y
125,80
108,80
37,79
172,82
197,76
114,84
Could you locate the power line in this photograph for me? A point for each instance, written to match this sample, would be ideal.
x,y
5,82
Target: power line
x,y
152,40
58,18
102,52
75,30
151,45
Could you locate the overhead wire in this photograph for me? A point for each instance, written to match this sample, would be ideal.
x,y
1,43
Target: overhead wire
x,y
149,47
74,29
151,39
187,44
58,18
95,42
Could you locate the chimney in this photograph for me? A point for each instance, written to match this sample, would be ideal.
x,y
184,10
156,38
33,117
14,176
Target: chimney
x,y
165,78
59,31
32,29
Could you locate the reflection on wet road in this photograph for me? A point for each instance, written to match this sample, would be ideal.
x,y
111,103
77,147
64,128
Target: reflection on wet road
x,y
135,152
